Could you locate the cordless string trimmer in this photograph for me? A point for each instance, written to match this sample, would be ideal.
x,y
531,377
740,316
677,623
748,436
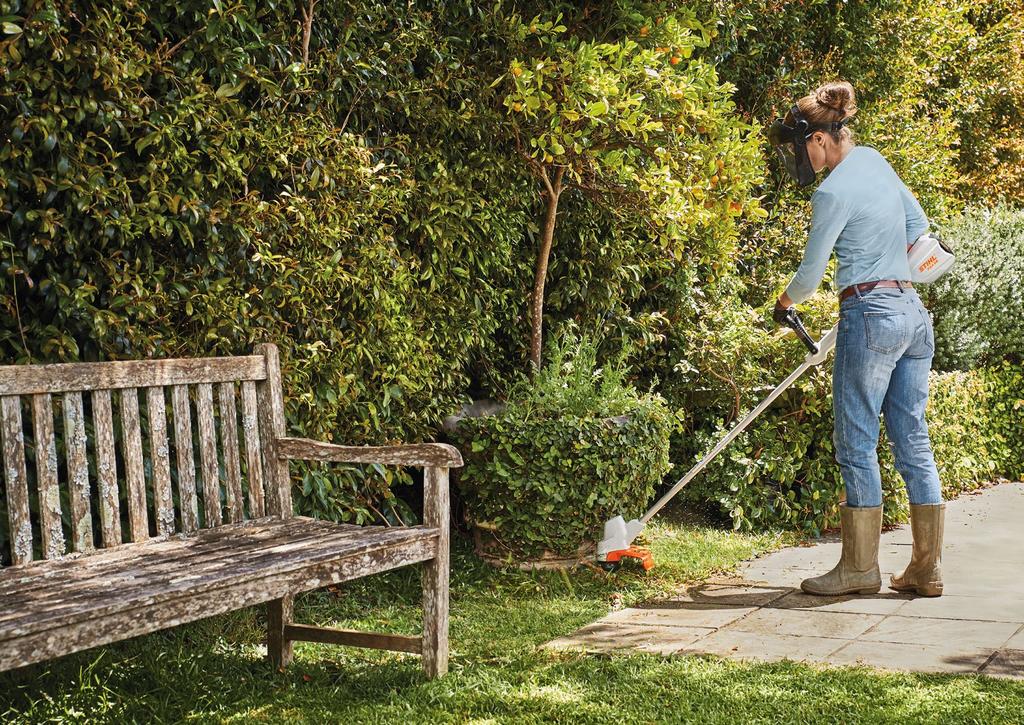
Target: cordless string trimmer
x,y
619,533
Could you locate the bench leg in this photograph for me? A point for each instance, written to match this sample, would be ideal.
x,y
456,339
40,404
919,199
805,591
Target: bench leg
x,y
279,647
435,575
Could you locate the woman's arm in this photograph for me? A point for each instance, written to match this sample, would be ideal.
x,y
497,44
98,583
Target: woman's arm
x,y
917,222
827,221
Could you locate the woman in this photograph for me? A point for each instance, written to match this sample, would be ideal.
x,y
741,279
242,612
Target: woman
x,y
868,217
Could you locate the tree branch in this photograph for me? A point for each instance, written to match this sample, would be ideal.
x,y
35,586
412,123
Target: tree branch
x,y
307,29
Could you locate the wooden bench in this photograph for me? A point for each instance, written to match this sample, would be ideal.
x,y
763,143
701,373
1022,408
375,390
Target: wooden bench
x,y
115,531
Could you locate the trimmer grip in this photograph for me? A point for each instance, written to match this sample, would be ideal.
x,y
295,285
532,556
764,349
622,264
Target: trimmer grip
x,y
794,323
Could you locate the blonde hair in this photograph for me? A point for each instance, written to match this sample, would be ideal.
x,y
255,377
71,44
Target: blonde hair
x,y
834,101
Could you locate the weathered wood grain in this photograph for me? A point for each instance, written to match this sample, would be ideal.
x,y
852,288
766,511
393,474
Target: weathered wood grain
x,y
253,461
131,430
160,460
115,592
67,377
279,616
352,638
186,465
106,468
76,636
272,428
435,573
423,454
78,472
38,590
33,606
46,476
208,455
62,605
16,476
229,446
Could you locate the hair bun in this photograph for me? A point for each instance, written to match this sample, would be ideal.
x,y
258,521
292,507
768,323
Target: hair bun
x,y
837,96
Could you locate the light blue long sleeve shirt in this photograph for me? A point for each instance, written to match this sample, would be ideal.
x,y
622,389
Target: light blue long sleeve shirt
x,y
867,215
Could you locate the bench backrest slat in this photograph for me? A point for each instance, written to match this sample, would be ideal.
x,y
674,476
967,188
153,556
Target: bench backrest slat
x,y
20,533
78,471
208,455
63,377
106,468
131,427
107,456
253,450
46,474
160,457
229,444
270,405
186,463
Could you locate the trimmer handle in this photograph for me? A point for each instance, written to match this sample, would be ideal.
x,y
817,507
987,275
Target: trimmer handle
x,y
793,322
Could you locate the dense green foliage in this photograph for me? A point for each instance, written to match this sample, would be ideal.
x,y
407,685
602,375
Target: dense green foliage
x,y
568,452
978,306
783,472
179,179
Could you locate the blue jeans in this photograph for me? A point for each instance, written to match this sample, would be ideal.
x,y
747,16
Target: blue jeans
x,y
883,356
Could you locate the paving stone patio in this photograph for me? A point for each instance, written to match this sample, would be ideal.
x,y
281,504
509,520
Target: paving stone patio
x,y
977,626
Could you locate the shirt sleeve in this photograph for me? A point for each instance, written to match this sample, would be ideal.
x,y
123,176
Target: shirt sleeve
x,y
828,218
917,222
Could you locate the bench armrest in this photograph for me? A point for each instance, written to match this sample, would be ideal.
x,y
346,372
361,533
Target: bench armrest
x,y
421,454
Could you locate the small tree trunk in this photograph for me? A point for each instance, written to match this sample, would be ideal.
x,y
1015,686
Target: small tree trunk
x,y
547,234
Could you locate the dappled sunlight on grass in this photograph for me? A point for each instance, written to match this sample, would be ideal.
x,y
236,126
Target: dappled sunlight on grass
x,y
214,670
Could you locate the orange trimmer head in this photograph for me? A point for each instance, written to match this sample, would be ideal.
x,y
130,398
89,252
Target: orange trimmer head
x,y
613,559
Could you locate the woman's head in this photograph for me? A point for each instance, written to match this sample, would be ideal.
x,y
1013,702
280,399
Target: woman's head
x,y
830,102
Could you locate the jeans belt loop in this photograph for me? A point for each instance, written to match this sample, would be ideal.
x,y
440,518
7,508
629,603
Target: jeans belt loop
x,y
856,290
900,285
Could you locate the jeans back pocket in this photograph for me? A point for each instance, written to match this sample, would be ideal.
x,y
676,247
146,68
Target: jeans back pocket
x,y
885,332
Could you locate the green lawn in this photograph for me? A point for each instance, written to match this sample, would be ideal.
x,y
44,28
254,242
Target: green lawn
x,y
214,670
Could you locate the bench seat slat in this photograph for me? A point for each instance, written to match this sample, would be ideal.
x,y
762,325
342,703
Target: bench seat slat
x,y
332,568
244,562
43,591
66,377
33,575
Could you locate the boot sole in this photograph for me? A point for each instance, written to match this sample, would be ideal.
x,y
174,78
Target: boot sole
x,y
925,590
841,592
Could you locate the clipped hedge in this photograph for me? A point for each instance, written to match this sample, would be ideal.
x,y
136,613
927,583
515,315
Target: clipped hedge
x,y
575,447
547,486
782,472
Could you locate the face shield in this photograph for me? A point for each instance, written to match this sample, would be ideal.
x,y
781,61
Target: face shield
x,y
790,143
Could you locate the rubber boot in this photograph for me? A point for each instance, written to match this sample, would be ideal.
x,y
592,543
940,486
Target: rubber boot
x,y
857,570
924,575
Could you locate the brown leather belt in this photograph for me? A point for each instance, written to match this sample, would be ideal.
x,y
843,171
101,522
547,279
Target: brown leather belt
x,y
868,286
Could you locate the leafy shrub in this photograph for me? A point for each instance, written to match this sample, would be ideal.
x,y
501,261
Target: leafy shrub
x,y
578,447
978,307
782,472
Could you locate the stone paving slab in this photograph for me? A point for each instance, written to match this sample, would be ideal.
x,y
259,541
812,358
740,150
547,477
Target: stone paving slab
x,y
760,614
680,614
912,657
735,644
800,622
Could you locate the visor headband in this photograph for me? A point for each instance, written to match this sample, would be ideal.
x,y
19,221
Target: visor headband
x,y
801,124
